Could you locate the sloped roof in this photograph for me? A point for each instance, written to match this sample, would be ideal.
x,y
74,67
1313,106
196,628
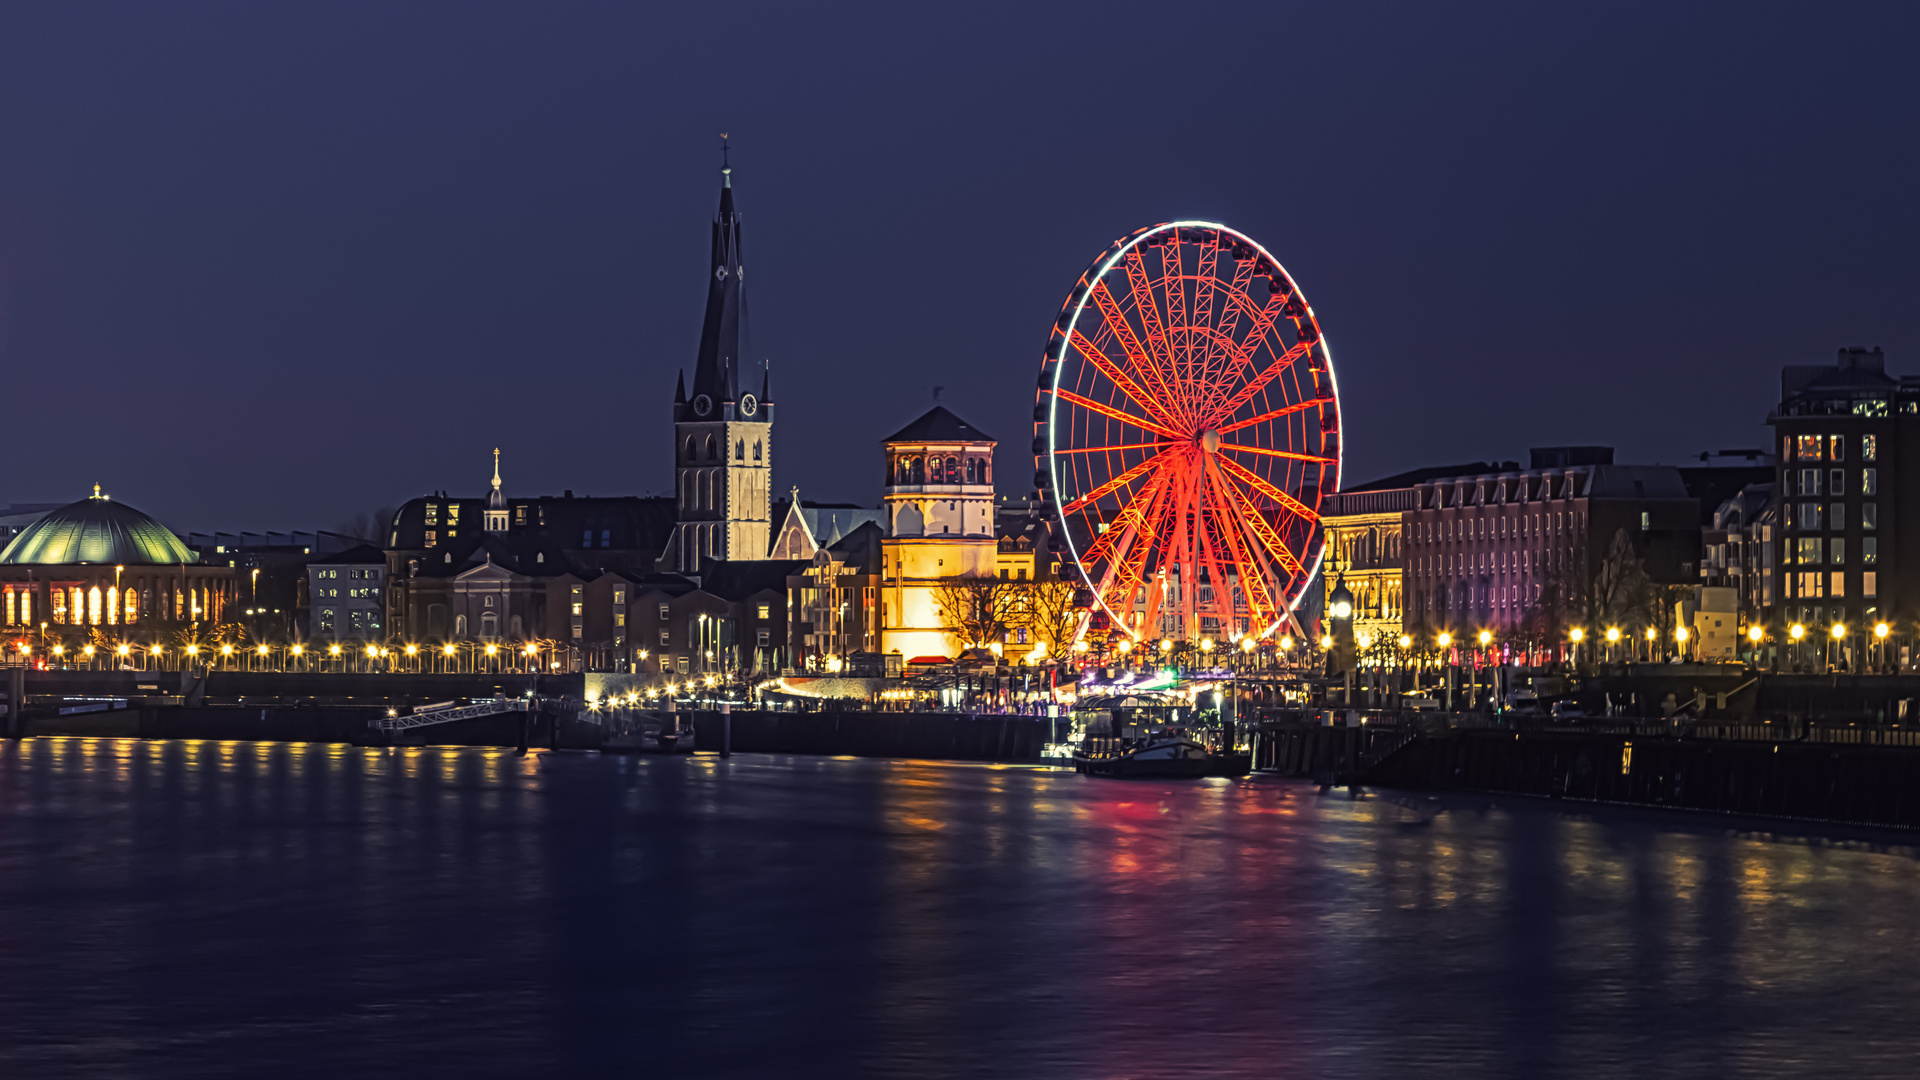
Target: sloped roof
x,y
939,425
362,555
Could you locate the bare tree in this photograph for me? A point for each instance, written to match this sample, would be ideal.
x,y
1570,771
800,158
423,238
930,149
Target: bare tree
x,y
1613,590
370,527
976,610
1051,614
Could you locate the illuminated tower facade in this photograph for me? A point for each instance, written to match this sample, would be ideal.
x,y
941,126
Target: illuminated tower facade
x,y
723,430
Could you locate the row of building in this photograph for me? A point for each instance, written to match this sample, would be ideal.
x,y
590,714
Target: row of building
x,y
717,577
1806,531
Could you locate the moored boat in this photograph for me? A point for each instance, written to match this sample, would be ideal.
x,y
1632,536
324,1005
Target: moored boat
x,y
1166,754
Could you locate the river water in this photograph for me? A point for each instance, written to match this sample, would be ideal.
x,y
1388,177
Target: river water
x,y
203,909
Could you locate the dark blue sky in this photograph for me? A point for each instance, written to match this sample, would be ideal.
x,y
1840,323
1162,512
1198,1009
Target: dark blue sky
x,y
269,265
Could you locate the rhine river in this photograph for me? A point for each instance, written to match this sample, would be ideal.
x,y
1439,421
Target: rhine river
x,y
205,909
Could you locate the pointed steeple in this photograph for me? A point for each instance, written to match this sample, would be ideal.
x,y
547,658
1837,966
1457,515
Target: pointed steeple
x,y
725,367
680,388
495,516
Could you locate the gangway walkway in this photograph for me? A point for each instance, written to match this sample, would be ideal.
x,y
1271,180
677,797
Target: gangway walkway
x,y
447,712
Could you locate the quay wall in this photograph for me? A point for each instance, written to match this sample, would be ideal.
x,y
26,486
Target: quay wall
x,y
940,736
1832,781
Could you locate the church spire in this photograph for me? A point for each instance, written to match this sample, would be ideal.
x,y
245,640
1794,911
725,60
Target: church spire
x,y
725,367
496,512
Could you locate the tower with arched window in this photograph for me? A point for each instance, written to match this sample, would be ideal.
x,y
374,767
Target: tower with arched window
x,y
723,431
938,502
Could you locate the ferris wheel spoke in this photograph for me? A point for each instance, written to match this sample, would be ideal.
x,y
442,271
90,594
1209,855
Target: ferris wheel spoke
x,y
1134,391
1260,484
1118,414
1140,288
1113,485
1262,531
1288,454
1243,354
1302,406
1258,382
1227,525
1161,445
1116,321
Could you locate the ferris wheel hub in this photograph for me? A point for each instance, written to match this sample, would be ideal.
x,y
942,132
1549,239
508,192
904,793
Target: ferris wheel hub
x,y
1210,441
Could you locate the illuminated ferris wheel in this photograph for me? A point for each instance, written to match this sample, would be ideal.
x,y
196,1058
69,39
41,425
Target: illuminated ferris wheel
x,y
1187,429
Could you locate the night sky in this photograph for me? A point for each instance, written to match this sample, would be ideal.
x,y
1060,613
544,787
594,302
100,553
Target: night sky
x,y
271,265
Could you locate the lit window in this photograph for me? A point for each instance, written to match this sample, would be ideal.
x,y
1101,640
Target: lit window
x,y
1838,589
1870,584
1809,448
1870,550
1837,447
1869,516
1839,556
433,514
666,612
1869,481
1869,447
766,611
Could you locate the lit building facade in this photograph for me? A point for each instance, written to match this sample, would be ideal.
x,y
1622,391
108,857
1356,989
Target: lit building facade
x,y
940,514
1849,438
1365,552
102,564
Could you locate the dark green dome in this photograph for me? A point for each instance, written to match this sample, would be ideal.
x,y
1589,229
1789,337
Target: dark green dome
x,y
96,530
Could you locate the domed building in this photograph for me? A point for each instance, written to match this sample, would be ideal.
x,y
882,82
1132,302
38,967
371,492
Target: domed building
x,y
97,562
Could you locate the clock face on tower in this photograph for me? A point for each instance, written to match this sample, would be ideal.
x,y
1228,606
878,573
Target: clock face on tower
x,y
748,406
702,405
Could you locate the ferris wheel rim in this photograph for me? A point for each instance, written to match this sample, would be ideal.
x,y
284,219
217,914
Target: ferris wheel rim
x,y
1056,357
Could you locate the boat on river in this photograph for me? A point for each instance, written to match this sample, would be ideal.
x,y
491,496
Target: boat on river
x,y
1165,754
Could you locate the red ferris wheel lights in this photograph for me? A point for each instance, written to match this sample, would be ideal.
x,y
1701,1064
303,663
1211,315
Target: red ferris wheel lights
x,y
1259,382
1258,483
1161,445
1112,485
1310,403
1120,379
1118,414
1289,454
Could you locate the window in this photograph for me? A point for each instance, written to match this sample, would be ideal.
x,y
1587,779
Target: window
x,y
578,607
1646,520
1807,551
433,514
586,538
756,449
764,638
1837,482
1809,516
1808,448
1869,447
619,618
1838,586
453,514
740,450
666,664
1838,512
682,664
520,514
1870,550
326,620
1869,516
488,602
1809,481
606,538
766,611
430,537
666,638
1837,450
1869,481
666,612
619,596
1839,548
1870,584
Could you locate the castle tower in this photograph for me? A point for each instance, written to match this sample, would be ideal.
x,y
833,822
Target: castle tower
x,y
723,433
938,500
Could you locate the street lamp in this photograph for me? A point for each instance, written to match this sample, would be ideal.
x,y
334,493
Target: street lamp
x,y
1445,640
1486,638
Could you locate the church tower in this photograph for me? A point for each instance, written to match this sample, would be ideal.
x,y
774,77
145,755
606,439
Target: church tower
x,y
723,432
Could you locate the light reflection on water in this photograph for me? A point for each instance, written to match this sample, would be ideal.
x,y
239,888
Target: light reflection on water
x,y
206,908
